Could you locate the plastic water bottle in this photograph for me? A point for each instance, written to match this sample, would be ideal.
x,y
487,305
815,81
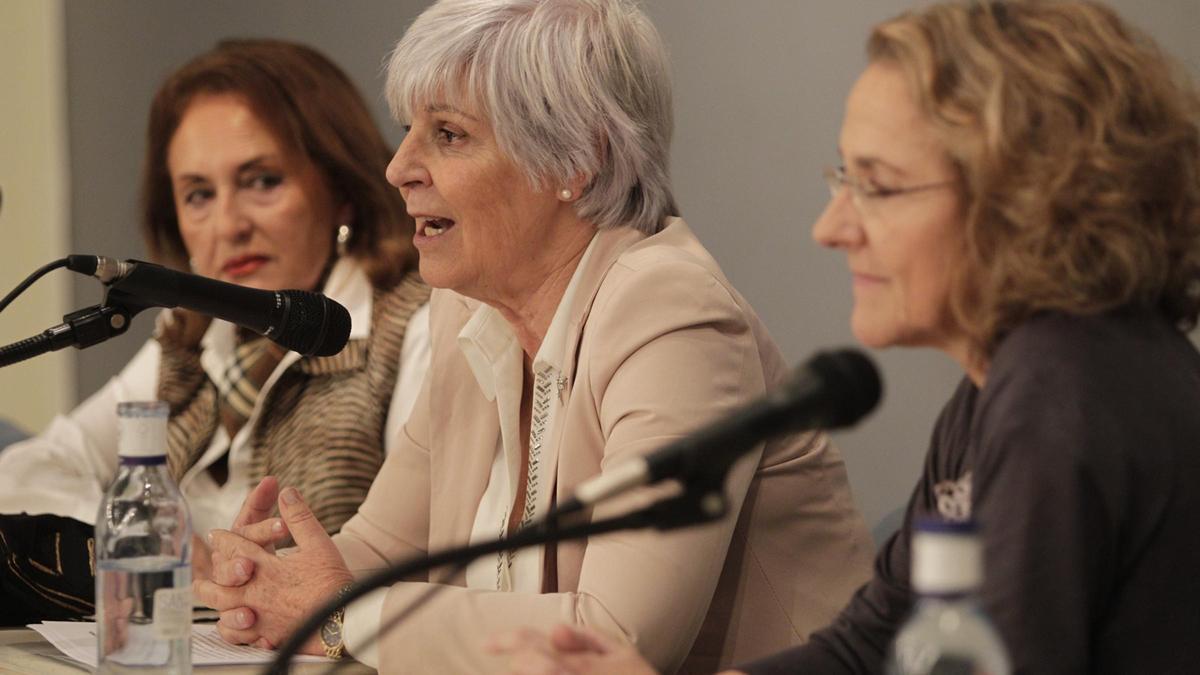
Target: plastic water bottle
x,y
948,632
143,555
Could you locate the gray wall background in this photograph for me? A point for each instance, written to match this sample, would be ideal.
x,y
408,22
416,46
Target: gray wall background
x,y
759,91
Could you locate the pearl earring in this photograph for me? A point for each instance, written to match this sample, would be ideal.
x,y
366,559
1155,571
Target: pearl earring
x,y
344,232
565,194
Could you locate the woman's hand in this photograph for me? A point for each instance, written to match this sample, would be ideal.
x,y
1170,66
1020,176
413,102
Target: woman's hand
x,y
567,650
279,592
201,559
253,524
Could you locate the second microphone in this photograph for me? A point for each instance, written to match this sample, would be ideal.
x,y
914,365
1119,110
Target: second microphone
x,y
304,322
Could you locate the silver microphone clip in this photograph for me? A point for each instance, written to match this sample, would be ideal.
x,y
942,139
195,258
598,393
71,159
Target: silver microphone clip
x,y
109,270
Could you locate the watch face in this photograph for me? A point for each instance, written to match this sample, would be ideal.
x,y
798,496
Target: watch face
x,y
331,633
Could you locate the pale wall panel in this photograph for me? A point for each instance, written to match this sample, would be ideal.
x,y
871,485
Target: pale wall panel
x,y
759,92
33,218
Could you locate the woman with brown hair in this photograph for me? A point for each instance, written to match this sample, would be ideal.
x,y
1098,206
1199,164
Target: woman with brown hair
x,y
263,168
1020,190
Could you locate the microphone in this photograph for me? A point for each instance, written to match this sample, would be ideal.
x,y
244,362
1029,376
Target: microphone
x,y
832,390
308,323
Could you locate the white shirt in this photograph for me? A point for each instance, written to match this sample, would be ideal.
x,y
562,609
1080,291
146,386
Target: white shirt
x,y
497,361
65,469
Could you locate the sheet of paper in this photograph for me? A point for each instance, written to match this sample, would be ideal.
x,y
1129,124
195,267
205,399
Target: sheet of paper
x,y
77,639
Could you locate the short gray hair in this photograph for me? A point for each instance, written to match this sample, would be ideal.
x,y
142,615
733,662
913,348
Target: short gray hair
x,y
571,88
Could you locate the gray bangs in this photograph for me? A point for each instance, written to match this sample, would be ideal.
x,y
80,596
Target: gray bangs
x,y
432,63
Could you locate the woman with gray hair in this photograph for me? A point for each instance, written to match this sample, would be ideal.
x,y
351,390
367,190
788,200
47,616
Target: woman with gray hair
x,y
577,323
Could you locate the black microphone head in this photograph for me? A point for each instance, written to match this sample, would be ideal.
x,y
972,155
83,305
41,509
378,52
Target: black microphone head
x,y
849,386
83,264
315,325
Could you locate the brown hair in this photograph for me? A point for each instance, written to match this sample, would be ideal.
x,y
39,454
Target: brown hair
x,y
313,108
1078,145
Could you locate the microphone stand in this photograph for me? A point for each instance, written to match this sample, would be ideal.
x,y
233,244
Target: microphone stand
x,y
700,502
80,329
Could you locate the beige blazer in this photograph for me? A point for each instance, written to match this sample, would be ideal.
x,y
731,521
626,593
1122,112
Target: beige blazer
x,y
659,344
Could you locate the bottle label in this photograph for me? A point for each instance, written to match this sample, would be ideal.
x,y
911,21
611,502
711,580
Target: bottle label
x,y
173,613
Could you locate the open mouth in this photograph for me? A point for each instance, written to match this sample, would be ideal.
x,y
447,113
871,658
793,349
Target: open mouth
x,y
435,227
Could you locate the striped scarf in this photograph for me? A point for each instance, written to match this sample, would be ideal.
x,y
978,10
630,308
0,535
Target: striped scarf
x,y
320,427
240,381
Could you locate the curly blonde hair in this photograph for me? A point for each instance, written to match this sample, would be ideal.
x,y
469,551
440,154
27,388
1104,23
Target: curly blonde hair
x,y
1077,142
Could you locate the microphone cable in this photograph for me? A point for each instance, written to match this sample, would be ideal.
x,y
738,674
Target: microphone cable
x,y
29,281
679,511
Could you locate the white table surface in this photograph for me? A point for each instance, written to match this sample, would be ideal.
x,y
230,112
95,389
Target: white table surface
x,y
23,651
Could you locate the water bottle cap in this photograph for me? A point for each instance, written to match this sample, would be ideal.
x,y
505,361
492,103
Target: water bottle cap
x,y
947,558
142,428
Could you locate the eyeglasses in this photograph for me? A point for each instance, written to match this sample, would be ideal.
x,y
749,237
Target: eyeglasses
x,y
866,196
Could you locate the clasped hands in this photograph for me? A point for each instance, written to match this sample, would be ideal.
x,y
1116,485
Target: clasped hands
x,y
262,596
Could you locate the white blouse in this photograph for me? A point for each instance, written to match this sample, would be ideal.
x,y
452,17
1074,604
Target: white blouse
x,y
491,348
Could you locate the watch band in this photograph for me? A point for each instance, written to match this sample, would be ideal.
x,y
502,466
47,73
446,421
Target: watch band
x,y
337,649
335,624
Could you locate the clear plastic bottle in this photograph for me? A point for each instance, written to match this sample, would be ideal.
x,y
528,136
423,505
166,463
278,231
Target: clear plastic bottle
x,y
948,632
143,554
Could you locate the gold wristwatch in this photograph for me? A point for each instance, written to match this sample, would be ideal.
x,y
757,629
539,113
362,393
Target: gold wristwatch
x,y
332,636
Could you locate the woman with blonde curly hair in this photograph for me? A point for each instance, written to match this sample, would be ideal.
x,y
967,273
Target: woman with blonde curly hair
x,y
1020,189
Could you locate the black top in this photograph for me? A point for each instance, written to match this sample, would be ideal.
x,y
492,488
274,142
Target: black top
x,y
1080,460
47,569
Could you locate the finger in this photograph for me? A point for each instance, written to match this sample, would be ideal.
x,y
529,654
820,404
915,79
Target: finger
x,y
217,596
235,636
259,503
232,572
238,619
265,533
513,640
233,546
200,546
306,530
535,662
264,643
201,559
116,635
566,638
